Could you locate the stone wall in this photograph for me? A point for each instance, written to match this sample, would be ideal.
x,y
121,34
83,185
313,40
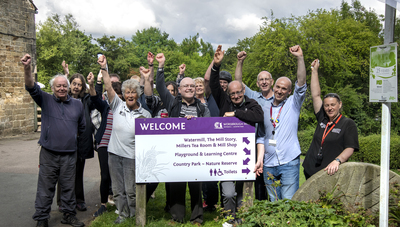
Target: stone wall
x,y
17,37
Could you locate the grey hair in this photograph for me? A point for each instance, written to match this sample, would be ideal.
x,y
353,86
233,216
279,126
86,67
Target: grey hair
x,y
131,84
58,75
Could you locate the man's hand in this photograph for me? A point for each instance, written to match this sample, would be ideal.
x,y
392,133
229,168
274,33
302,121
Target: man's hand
x,y
144,72
182,69
26,60
150,58
102,61
189,117
315,65
229,114
241,56
161,60
296,51
258,169
90,79
65,68
218,56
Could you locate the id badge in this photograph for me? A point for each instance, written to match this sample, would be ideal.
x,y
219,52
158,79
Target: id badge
x,y
272,142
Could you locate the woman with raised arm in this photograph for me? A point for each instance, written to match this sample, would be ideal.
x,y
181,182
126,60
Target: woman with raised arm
x,y
121,148
335,138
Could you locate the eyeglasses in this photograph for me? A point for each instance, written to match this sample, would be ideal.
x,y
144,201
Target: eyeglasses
x,y
265,79
188,85
236,93
332,95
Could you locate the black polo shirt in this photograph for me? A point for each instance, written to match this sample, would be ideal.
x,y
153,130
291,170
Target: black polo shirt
x,y
343,135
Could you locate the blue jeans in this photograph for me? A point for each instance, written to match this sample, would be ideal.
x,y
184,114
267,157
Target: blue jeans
x,y
288,174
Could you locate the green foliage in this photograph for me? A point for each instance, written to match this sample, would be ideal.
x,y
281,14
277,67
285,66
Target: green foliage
x,y
394,209
305,138
60,39
370,150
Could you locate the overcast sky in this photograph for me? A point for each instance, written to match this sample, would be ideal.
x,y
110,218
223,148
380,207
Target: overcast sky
x,y
218,22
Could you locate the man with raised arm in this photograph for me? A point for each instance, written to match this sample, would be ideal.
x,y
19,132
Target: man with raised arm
x,y
277,143
187,106
63,120
233,103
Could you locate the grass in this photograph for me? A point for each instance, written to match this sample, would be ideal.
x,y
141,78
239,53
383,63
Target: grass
x,y
156,216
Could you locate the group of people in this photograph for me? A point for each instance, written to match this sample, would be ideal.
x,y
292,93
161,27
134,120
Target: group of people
x,y
74,119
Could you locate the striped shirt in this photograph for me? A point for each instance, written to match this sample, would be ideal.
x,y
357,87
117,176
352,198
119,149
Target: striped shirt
x,y
107,133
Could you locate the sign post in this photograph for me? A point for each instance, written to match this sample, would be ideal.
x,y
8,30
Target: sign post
x,y
383,88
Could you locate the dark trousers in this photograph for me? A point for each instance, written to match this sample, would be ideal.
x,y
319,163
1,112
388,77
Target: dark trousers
x,y
210,193
79,191
55,166
260,189
105,182
177,201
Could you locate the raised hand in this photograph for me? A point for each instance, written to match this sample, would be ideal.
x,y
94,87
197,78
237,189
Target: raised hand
x,y
218,56
65,68
26,60
241,55
296,51
150,58
90,78
182,69
102,61
144,72
315,65
161,60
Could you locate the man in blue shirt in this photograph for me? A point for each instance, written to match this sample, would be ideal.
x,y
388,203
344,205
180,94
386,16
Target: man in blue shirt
x,y
277,143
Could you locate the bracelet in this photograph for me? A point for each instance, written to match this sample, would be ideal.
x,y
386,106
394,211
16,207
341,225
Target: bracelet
x,y
103,69
338,160
151,65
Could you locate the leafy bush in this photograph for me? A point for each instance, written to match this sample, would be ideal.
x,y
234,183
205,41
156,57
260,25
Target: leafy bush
x,y
305,139
370,150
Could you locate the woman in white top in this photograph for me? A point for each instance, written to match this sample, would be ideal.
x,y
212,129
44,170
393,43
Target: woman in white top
x,y
121,148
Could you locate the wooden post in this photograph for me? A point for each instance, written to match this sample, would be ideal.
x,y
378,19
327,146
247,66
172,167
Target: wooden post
x,y
141,204
248,188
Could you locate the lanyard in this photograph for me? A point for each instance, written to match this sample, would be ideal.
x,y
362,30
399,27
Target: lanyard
x,y
277,117
326,133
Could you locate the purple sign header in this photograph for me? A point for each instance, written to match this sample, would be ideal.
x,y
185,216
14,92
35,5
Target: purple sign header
x,y
198,125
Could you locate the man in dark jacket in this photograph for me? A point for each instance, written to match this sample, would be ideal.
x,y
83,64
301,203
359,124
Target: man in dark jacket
x,y
233,103
63,120
187,106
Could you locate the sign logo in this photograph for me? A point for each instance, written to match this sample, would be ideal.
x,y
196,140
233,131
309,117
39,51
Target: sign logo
x,y
218,125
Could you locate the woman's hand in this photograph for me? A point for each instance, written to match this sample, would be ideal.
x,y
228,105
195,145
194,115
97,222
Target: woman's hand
x,y
332,168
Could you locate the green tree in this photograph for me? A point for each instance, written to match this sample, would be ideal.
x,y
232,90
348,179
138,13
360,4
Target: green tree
x,y
120,55
341,39
59,39
153,40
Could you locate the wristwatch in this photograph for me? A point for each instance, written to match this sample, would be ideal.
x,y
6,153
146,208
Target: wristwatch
x,y
337,159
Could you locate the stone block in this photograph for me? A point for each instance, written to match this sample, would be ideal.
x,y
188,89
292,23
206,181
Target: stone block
x,y
359,183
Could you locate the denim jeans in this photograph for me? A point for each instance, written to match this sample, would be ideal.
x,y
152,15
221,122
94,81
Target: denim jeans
x,y
122,172
288,174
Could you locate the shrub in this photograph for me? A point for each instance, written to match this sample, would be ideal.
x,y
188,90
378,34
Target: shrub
x,y
370,150
305,139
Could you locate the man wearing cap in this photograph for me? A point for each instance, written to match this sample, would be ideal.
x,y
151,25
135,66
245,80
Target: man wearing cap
x,y
277,143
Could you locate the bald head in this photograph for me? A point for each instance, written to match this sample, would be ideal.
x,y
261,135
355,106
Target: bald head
x,y
287,80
